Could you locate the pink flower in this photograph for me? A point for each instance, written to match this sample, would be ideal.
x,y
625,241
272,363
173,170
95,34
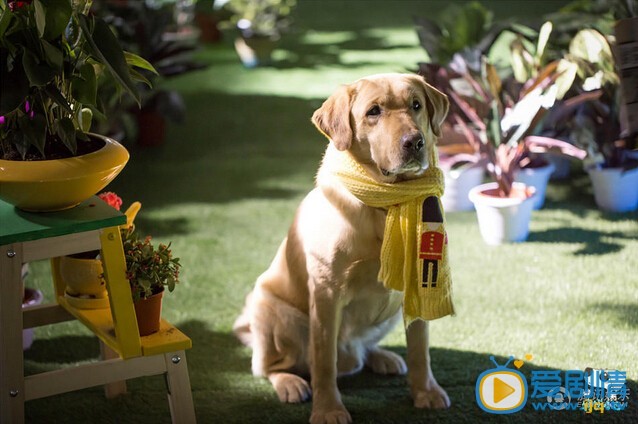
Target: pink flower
x,y
2,120
28,110
111,199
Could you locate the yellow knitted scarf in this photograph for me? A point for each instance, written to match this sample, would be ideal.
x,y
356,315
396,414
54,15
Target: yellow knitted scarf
x,y
408,242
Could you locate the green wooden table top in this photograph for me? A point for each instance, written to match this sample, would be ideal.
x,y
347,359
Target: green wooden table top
x,y
92,214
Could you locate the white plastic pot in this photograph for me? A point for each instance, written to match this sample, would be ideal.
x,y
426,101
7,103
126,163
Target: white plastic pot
x,y
562,165
537,178
458,183
503,219
615,190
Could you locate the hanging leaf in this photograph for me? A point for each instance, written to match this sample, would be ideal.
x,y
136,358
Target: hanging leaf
x,y
66,131
5,21
543,39
39,74
84,86
139,62
53,55
518,63
567,74
34,131
40,17
105,48
52,17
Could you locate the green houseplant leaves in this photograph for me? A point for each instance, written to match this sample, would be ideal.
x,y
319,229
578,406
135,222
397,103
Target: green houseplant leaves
x,y
52,54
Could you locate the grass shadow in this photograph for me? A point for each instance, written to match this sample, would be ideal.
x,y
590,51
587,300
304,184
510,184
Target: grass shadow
x,y
623,315
224,389
302,51
594,242
226,151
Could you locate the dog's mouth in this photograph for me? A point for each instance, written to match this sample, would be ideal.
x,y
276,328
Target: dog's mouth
x,y
413,166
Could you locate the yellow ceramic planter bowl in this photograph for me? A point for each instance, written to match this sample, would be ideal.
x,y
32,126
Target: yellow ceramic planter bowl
x,y
52,185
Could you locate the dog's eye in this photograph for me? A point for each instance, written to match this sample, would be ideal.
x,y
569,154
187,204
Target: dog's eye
x,y
374,111
416,105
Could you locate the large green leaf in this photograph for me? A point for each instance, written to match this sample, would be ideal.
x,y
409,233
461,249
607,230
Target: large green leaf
x,y
84,87
53,54
5,21
52,17
106,49
40,17
66,131
39,74
34,131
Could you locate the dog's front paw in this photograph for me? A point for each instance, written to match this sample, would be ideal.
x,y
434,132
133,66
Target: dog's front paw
x,y
431,398
290,388
338,415
385,362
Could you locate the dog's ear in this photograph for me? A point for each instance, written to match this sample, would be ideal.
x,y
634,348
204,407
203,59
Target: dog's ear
x,y
437,105
333,118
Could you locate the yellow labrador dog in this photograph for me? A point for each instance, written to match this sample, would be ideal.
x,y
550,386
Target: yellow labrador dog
x,y
319,309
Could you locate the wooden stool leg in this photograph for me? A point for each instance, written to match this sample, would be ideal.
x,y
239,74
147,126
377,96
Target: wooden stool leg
x,y
180,398
117,388
11,360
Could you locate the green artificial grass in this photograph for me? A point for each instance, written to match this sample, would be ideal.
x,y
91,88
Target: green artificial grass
x,y
224,189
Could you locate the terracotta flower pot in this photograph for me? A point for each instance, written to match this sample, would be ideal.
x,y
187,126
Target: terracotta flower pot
x,y
503,219
52,185
148,313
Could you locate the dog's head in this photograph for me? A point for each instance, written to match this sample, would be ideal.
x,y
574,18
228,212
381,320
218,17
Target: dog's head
x,y
388,122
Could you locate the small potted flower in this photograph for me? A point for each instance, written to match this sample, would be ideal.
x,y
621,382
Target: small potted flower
x,y
149,270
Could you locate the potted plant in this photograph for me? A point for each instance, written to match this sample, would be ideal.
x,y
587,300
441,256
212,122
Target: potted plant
x,y
149,32
456,42
52,54
591,119
503,133
149,270
260,24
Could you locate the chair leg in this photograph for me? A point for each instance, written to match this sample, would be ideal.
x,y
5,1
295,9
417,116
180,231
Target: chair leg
x,y
180,398
117,388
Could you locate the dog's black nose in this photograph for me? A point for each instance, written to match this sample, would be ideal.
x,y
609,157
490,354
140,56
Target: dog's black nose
x,y
412,142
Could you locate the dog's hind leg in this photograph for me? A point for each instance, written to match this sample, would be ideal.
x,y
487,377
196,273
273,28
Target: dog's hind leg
x,y
279,346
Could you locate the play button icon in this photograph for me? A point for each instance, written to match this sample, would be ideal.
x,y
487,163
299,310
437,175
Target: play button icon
x,y
501,390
